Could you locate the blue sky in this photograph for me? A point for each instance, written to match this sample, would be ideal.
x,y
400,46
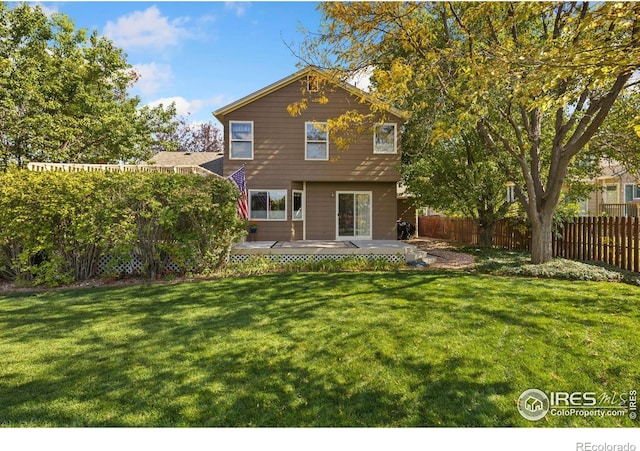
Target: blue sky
x,y
202,55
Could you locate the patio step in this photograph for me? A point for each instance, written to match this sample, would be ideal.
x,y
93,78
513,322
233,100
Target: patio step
x,y
418,257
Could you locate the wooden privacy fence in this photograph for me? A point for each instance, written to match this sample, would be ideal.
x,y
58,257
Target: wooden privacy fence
x,y
465,231
612,240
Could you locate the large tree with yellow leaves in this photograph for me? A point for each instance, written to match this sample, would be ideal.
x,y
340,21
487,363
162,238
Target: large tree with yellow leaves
x,y
535,79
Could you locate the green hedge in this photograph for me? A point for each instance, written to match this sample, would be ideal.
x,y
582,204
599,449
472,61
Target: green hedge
x,y
55,225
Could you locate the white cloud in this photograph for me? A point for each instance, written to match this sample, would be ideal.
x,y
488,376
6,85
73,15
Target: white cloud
x,y
146,29
185,107
237,7
49,10
153,77
362,79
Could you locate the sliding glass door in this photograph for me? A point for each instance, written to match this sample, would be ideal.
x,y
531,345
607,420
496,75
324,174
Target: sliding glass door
x,y
354,215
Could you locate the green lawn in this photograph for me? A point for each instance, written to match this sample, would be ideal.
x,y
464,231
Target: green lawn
x,y
343,349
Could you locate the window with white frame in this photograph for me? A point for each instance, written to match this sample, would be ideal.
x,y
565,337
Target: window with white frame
x,y
384,138
610,195
631,192
313,84
270,205
240,140
316,141
297,213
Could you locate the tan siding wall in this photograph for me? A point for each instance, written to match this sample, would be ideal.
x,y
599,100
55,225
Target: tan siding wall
x,y
279,143
321,209
596,198
279,163
278,231
407,212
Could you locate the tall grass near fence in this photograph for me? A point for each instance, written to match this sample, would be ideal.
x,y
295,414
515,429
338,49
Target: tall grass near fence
x,y
611,240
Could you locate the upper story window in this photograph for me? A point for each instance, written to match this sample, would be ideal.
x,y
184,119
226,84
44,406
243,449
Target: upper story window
x,y
384,138
317,141
631,192
241,140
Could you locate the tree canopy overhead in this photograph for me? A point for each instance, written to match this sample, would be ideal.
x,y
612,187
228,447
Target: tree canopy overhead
x,y
537,80
63,94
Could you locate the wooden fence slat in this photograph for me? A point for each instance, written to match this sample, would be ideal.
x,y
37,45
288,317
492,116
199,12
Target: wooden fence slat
x,y
629,244
584,238
598,233
636,243
622,244
615,241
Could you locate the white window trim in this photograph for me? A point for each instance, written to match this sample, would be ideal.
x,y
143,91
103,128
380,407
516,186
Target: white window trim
x,y
395,138
293,195
584,207
231,157
635,190
606,188
267,219
313,83
306,142
354,237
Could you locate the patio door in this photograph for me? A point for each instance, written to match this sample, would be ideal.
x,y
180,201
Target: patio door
x,y
354,215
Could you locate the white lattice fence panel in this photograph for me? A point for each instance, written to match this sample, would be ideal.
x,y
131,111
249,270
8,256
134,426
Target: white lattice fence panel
x,y
132,265
295,258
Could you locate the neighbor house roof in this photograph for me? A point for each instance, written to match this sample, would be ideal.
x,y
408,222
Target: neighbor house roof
x,y
290,79
211,161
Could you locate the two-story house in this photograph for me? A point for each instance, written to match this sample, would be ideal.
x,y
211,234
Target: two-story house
x,y
301,185
616,192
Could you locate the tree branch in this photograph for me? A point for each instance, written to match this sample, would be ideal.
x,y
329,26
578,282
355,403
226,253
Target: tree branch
x,y
507,116
595,116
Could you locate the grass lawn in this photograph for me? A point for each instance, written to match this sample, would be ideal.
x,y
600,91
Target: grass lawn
x,y
344,349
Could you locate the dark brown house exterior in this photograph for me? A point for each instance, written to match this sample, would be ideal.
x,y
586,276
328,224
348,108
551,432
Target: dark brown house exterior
x,y
301,185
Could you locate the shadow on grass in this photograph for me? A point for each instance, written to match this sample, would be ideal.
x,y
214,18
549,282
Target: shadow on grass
x,y
276,350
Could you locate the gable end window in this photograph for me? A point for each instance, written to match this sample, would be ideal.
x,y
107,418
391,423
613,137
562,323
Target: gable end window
x,y
384,138
240,140
313,84
316,141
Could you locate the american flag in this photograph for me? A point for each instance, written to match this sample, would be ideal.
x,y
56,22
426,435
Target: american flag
x,y
238,179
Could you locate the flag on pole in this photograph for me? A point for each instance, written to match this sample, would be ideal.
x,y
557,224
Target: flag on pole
x,y
238,179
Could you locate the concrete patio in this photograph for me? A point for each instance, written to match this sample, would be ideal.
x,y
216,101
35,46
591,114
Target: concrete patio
x,y
291,251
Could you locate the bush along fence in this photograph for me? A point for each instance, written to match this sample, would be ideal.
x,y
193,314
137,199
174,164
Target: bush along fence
x,y
56,227
611,240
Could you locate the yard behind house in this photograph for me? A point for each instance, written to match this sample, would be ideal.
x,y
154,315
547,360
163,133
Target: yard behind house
x,y
344,349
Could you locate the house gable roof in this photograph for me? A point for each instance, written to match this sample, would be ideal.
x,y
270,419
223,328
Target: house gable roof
x,y
220,113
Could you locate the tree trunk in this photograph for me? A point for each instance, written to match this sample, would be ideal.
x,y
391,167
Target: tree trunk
x,y
541,237
485,234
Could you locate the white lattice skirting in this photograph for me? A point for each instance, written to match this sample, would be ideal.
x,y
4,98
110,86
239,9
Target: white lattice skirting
x,y
133,265
295,258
